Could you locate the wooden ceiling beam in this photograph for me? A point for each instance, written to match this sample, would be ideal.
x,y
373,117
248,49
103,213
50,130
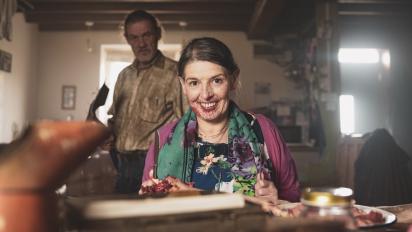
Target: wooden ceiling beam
x,y
145,1
263,18
373,9
374,20
243,7
101,26
258,18
113,26
232,26
76,17
373,13
388,2
360,2
154,12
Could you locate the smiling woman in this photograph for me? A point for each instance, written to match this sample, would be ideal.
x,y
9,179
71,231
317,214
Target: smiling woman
x,y
207,86
216,146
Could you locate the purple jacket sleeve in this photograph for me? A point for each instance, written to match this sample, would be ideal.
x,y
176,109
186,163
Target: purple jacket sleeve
x,y
286,180
149,163
150,156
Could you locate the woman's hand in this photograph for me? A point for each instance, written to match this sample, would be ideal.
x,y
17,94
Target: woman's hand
x,y
168,184
179,185
150,182
265,189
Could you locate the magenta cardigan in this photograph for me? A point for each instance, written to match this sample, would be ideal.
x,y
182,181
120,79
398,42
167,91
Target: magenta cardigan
x,y
286,180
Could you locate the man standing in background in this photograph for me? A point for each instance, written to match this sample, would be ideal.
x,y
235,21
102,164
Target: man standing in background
x,y
146,96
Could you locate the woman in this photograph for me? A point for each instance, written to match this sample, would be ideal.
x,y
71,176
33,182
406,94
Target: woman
x,y
215,145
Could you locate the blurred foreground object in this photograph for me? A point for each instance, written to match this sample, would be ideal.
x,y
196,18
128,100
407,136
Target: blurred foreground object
x,y
32,167
328,204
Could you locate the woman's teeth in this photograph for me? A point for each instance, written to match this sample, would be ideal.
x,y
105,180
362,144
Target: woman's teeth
x,y
208,105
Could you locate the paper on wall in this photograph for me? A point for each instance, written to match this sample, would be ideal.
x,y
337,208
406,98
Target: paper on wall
x,y
283,111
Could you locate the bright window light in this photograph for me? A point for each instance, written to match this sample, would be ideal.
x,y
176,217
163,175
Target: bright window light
x,y
114,68
386,59
358,55
347,114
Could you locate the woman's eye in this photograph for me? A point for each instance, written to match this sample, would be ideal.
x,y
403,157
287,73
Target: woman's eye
x,y
192,83
218,80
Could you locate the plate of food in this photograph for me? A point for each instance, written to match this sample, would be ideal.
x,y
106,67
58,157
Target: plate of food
x,y
365,216
167,185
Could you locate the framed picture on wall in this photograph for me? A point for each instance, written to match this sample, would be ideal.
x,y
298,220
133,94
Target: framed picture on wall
x,y
68,97
5,61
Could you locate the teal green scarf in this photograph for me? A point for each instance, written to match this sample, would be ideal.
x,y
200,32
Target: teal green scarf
x,y
176,157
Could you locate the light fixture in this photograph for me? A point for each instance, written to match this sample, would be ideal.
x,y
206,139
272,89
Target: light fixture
x,y
183,25
89,46
89,24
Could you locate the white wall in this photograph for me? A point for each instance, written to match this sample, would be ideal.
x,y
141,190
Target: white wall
x,y
64,60
18,88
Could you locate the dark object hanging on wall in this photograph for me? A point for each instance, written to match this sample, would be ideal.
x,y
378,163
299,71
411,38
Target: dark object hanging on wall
x,y
7,10
5,61
381,172
316,130
97,102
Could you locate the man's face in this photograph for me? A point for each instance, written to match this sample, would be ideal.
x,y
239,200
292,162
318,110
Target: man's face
x,y
143,38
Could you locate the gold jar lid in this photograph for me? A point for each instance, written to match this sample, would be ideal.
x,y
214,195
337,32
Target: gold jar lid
x,y
327,197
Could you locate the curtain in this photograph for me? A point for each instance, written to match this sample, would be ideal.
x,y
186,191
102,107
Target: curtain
x,y
348,152
7,10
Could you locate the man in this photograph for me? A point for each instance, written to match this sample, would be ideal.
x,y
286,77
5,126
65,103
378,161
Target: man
x,y
147,95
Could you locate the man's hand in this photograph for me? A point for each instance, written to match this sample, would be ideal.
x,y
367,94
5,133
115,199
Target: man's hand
x,y
108,144
265,189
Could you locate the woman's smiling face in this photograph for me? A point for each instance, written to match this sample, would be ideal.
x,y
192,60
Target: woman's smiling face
x,y
207,86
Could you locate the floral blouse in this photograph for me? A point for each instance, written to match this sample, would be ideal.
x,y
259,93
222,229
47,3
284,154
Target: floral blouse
x,y
283,175
213,170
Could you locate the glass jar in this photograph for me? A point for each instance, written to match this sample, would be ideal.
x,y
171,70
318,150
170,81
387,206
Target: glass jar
x,y
328,204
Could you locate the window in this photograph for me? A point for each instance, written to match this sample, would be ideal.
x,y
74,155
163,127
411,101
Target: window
x,y
364,56
114,58
113,69
347,114
364,76
358,55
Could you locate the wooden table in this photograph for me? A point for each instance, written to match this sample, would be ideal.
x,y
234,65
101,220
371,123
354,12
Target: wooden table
x,y
250,218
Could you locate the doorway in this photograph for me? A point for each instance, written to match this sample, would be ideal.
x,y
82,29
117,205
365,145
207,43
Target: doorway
x,y
114,58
